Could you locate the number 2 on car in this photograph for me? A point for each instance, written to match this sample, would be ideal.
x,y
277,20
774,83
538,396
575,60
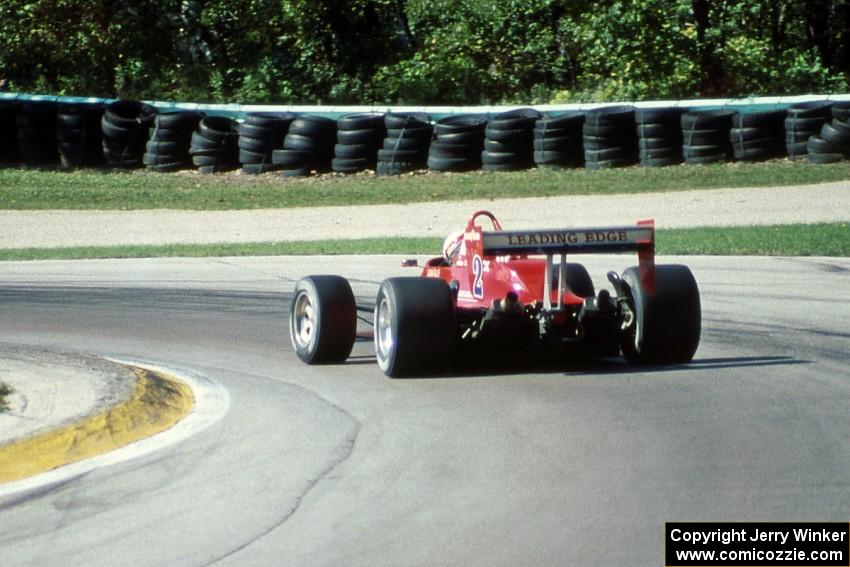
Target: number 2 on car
x,y
478,277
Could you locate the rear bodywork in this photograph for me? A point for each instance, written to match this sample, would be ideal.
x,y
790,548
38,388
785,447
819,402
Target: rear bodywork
x,y
515,286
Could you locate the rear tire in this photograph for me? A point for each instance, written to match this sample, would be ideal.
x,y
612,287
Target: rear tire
x,y
323,319
578,281
668,322
415,326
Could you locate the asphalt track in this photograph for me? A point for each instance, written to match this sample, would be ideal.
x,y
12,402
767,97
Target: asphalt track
x,y
577,465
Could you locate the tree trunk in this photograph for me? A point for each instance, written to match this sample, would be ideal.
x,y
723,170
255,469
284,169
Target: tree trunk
x,y
818,13
402,14
843,19
711,71
777,26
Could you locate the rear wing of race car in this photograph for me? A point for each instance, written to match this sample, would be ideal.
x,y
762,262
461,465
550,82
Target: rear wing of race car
x,y
638,238
571,241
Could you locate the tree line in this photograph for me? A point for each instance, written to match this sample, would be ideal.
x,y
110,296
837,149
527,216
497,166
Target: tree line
x,y
424,51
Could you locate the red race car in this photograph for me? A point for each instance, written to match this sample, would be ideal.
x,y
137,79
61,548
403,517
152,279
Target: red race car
x,y
497,290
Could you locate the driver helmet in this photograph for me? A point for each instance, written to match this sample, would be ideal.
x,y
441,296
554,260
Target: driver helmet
x,y
452,245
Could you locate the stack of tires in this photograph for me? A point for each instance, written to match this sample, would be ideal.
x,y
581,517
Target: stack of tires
x,y
259,136
802,121
214,145
79,136
509,141
558,140
308,146
609,137
9,132
36,133
458,142
125,125
406,145
758,136
170,141
833,143
358,138
705,136
840,111
659,134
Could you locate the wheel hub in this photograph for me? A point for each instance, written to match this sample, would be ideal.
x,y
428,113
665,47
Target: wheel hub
x,y
303,320
383,329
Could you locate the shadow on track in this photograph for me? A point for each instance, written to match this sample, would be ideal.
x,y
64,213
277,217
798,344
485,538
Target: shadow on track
x,y
620,366
470,367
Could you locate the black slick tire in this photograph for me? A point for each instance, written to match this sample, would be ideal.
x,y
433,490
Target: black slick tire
x,y
322,319
667,322
578,280
415,327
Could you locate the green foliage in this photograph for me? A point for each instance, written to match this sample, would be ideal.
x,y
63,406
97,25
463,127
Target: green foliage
x,y
421,51
636,50
479,52
766,47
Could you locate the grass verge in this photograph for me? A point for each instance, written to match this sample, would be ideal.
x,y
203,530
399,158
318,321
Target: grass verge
x,y
108,190
830,239
304,248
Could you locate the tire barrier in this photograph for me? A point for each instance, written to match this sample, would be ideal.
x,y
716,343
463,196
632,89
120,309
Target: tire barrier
x,y
79,136
36,133
170,141
458,143
832,143
609,137
758,136
9,152
125,126
405,148
558,140
840,111
509,141
42,132
802,121
359,137
705,136
214,145
259,136
308,146
659,133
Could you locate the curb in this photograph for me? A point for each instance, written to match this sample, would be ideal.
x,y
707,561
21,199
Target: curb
x,y
158,402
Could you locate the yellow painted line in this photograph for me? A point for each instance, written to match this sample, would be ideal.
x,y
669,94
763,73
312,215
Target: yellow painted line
x,y
158,402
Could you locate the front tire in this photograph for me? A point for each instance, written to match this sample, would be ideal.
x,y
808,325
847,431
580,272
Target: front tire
x,y
415,326
323,319
668,322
